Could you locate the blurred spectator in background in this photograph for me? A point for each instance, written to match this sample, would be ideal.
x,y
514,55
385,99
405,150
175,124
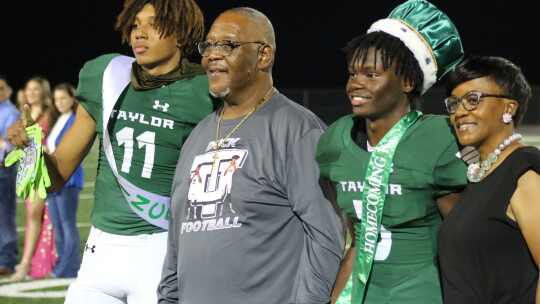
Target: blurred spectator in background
x,y
63,204
21,99
8,232
39,253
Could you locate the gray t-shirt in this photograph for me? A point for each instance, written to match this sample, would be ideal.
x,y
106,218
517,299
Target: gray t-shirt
x,y
253,226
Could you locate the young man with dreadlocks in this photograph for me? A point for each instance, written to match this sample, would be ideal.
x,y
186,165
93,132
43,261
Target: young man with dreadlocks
x,y
142,109
396,170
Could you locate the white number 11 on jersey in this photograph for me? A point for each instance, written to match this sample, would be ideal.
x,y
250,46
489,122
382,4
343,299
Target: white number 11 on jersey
x,y
147,140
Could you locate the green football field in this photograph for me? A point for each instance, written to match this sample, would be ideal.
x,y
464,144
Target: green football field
x,y
52,291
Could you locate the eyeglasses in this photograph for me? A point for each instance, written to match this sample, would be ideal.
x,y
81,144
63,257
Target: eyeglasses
x,y
469,101
223,47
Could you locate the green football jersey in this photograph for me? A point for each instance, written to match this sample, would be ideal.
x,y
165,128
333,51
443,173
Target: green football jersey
x,y
425,166
147,130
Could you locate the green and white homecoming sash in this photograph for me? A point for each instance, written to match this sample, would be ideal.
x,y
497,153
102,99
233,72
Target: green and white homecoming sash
x,y
373,197
151,207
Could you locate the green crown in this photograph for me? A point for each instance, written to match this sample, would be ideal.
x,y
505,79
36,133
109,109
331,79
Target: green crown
x,y
429,34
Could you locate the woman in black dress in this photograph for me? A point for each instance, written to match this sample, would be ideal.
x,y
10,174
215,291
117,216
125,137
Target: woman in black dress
x,y
489,245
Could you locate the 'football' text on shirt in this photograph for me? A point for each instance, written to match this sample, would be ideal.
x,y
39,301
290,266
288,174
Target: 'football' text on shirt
x,y
210,224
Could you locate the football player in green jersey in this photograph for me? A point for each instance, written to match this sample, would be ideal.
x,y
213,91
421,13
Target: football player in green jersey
x,y
395,169
141,109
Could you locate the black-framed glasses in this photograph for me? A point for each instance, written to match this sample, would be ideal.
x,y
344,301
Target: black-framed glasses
x,y
222,47
469,101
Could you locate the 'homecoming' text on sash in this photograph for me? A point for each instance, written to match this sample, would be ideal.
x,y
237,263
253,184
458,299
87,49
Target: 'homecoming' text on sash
x,y
373,197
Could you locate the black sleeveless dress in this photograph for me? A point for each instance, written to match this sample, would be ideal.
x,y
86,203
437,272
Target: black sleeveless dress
x,y
483,255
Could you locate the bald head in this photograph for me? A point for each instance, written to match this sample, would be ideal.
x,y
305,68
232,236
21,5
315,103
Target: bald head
x,y
246,70
259,23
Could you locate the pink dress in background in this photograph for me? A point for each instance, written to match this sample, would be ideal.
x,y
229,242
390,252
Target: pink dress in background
x,y
45,255
43,122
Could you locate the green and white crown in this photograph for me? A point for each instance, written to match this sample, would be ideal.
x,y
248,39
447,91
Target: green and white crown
x,y
428,33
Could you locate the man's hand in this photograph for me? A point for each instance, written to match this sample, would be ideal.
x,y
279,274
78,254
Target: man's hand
x,y
32,172
16,133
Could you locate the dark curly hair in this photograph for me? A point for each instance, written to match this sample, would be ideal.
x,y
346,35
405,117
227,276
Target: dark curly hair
x,y
392,50
181,17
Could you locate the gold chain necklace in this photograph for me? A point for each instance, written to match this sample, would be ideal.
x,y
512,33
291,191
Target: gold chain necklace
x,y
218,145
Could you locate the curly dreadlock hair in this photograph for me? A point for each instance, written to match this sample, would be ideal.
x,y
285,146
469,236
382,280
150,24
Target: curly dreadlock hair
x,y
392,50
181,17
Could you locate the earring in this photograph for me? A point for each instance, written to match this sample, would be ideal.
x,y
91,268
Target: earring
x,y
507,118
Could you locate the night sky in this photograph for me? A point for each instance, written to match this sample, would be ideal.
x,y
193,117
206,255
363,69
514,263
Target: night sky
x,y
54,38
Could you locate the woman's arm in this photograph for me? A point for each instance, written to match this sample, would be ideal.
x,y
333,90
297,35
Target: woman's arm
x,y
525,206
447,202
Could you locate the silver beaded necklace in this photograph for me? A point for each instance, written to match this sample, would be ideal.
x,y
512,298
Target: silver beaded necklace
x,y
477,171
